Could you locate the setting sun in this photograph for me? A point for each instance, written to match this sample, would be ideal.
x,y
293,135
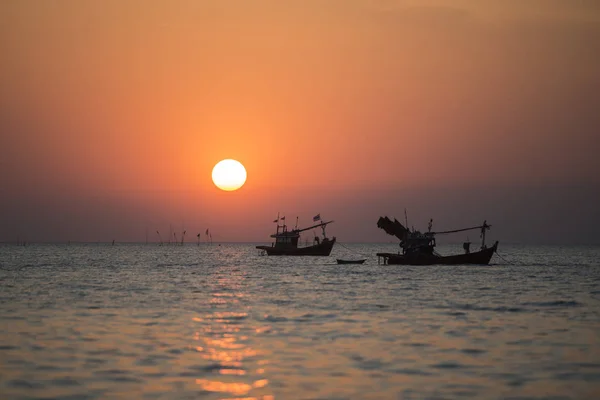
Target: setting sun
x,y
229,175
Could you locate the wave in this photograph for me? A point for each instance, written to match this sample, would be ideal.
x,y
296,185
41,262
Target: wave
x,y
472,307
557,303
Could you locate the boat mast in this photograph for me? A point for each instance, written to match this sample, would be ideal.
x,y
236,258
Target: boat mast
x,y
484,227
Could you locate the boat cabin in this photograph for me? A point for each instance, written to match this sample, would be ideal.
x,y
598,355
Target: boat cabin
x,y
286,239
417,242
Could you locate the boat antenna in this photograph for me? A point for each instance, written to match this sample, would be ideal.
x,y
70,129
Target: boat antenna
x,y
277,222
296,227
405,219
284,226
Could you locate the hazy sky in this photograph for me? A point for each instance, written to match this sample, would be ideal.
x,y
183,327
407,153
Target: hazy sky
x,y
113,113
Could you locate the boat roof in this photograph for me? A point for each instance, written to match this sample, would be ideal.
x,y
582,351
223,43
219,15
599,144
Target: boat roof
x,y
286,234
296,232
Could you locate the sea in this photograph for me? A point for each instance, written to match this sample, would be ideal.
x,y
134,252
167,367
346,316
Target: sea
x,y
222,321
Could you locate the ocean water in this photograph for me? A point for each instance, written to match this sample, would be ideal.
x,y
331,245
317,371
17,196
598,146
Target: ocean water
x,y
95,321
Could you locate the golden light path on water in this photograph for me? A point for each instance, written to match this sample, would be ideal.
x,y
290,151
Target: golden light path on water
x,y
223,341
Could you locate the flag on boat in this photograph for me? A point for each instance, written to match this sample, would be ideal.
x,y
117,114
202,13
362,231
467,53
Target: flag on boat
x,y
283,218
317,217
276,220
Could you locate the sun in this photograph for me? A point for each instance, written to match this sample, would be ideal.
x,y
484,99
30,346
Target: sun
x,y
229,175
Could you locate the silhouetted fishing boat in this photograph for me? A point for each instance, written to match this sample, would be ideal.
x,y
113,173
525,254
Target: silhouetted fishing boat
x,y
418,248
286,241
340,261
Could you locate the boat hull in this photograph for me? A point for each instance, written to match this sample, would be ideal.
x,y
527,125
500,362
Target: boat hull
x,y
340,261
481,257
321,249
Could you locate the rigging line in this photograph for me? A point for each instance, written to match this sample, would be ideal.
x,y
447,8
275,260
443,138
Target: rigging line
x,y
504,259
462,230
347,248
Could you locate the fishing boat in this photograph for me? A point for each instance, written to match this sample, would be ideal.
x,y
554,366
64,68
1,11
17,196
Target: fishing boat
x,y
340,261
419,248
286,241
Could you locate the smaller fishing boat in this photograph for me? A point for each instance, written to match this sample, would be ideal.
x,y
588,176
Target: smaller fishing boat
x,y
286,241
340,261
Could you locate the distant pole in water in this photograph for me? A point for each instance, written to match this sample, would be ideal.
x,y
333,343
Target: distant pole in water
x,y
182,237
113,242
159,238
175,236
146,235
198,236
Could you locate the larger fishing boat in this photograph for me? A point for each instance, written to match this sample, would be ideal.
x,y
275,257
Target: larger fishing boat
x,y
287,241
419,248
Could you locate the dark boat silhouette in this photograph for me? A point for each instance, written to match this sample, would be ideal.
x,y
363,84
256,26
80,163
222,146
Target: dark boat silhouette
x,y
340,261
286,241
419,248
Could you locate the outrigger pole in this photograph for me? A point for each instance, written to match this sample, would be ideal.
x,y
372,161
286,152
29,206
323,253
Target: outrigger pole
x,y
483,228
322,224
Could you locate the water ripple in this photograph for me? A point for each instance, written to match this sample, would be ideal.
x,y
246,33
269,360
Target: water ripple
x,y
92,321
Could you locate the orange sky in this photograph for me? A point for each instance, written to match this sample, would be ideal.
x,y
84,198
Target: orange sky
x,y
113,113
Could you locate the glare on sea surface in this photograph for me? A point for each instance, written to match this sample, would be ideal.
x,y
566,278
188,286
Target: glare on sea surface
x,y
239,367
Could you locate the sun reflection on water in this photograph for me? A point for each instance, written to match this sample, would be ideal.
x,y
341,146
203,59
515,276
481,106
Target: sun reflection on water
x,y
232,371
225,339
